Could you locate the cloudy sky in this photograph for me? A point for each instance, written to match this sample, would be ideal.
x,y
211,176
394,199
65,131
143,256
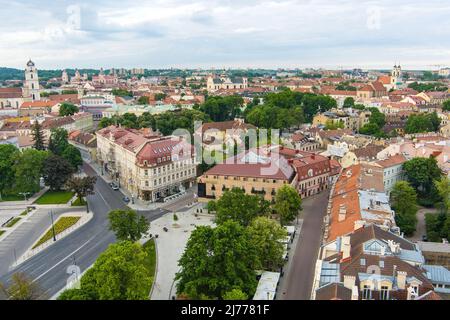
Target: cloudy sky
x,y
225,33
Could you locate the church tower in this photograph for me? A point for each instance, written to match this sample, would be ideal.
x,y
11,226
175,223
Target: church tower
x,y
31,87
396,76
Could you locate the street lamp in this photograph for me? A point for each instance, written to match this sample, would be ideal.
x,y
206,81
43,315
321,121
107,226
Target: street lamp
x,y
53,226
87,206
24,194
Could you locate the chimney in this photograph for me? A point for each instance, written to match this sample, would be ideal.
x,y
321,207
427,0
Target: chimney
x,y
401,280
342,213
345,247
355,293
313,156
349,282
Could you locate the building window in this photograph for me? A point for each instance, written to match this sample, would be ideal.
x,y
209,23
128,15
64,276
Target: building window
x,y
146,172
384,293
367,292
146,183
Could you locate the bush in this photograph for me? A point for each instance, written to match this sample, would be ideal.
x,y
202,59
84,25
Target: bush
x,y
175,217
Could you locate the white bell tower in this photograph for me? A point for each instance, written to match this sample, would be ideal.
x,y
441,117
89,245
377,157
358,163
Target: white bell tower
x,y
31,87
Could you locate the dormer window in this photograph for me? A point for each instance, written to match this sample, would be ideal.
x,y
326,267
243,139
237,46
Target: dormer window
x,y
367,292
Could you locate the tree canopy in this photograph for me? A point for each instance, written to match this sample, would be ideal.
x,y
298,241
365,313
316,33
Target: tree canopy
x,y
119,273
56,171
67,109
404,202
216,261
127,224
240,207
287,203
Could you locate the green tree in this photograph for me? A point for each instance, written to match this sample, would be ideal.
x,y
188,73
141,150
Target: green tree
x,y
143,100
28,167
56,171
119,273
240,207
8,153
58,141
266,237
22,287
404,202
81,186
443,188
67,109
235,294
127,224
160,96
421,172
446,105
287,203
73,156
216,261
38,136
349,102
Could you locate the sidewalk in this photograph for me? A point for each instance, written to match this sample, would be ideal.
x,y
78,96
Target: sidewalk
x,y
170,246
29,202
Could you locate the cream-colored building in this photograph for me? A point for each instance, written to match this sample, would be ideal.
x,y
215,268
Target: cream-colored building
x,y
226,83
149,166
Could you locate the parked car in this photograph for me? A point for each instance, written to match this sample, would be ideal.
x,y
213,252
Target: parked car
x,y
126,199
114,186
424,238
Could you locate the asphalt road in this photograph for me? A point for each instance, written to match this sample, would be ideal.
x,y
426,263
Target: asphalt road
x,y
301,272
27,233
83,246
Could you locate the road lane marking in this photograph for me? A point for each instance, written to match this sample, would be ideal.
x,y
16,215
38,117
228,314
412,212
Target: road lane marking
x,y
62,260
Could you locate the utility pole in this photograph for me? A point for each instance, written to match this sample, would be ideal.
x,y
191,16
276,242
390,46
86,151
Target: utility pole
x,y
53,226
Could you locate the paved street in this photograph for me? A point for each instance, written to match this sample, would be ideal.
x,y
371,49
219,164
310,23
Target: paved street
x,y
82,246
299,275
26,234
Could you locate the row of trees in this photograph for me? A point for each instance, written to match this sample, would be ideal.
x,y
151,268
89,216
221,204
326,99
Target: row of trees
x,y
287,108
20,171
426,185
220,262
422,123
165,122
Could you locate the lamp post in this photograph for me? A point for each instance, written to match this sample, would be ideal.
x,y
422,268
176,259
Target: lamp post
x,y
87,206
24,194
53,226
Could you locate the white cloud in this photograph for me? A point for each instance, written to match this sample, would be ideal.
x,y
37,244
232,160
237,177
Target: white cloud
x,y
225,33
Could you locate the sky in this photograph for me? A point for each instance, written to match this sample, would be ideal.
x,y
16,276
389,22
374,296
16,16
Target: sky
x,y
338,34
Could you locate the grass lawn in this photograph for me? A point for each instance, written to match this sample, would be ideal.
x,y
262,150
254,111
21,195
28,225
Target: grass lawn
x,y
14,197
25,212
149,247
78,203
60,225
12,222
2,232
55,197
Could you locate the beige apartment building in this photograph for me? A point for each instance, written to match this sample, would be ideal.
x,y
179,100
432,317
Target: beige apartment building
x,y
146,164
255,171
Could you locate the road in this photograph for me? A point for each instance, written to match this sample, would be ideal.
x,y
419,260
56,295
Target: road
x,y
299,277
82,246
27,233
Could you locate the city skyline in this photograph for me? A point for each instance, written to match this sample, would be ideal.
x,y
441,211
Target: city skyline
x,y
200,34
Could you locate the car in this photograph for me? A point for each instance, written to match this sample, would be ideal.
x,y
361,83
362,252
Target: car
x,y
126,199
114,186
424,238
